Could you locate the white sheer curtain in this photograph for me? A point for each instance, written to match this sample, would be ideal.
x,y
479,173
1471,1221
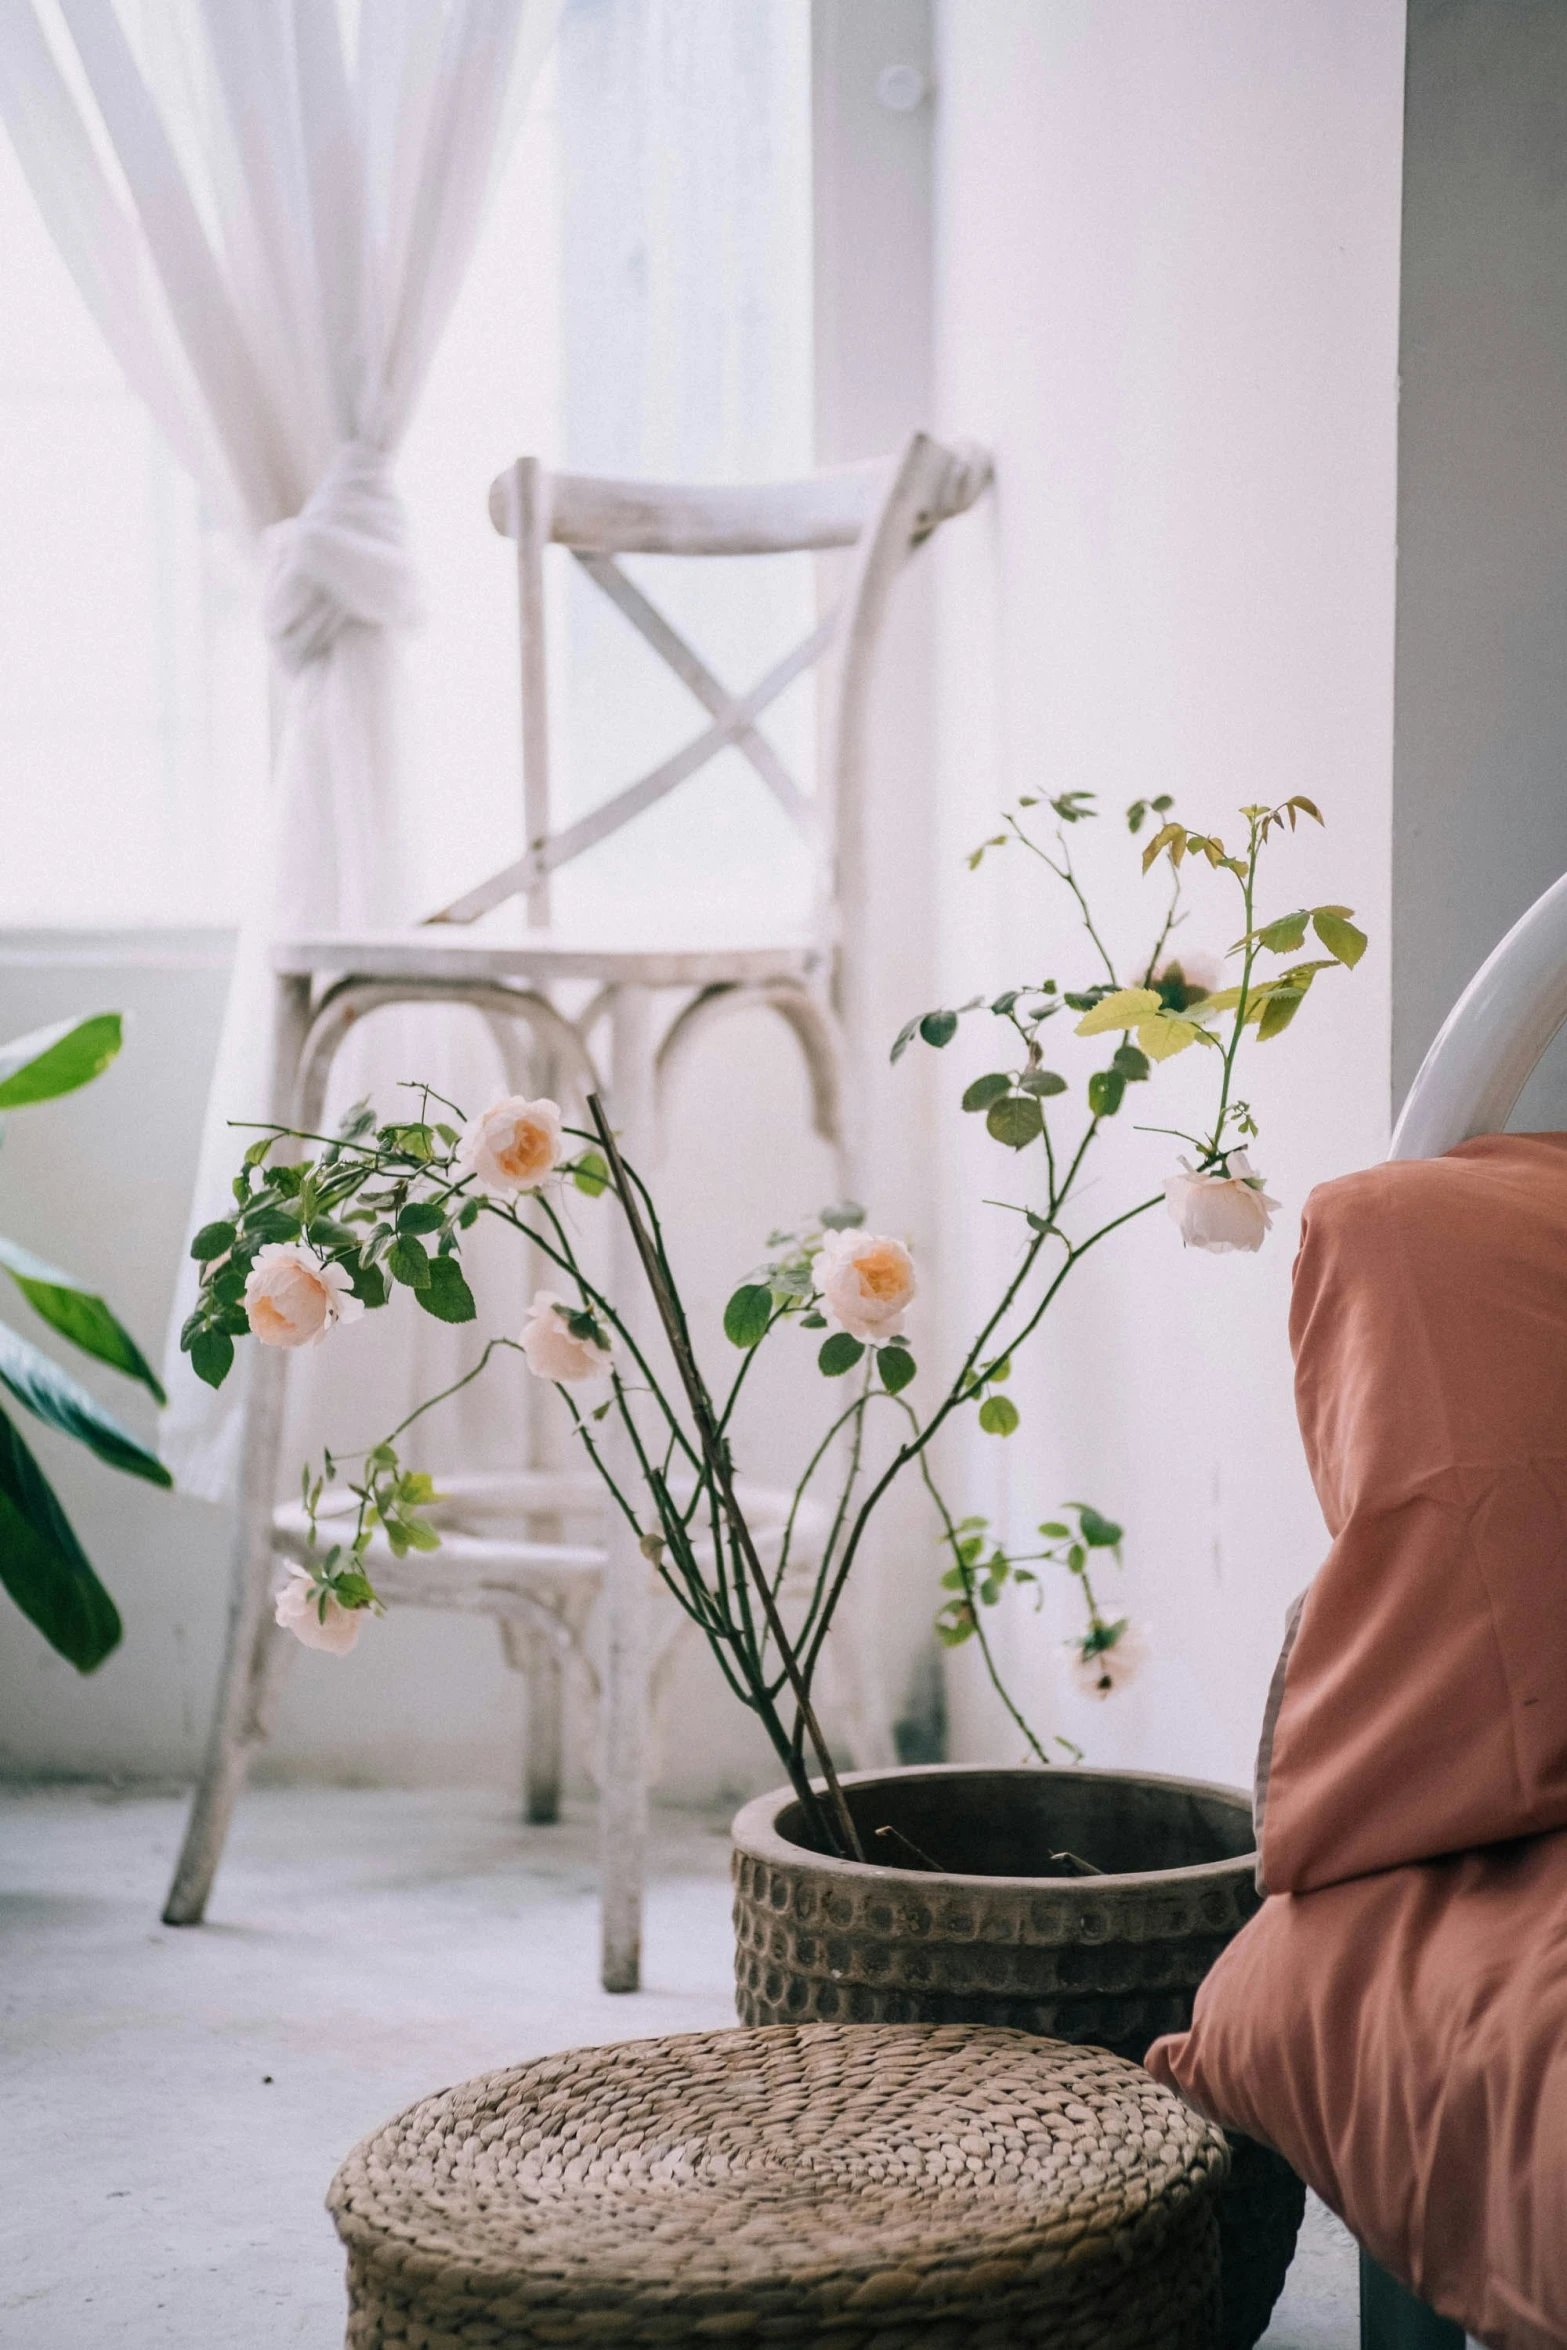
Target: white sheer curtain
x,y
270,223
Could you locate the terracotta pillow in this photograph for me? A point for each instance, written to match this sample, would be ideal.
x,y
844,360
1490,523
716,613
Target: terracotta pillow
x,y
1402,2041
1421,1705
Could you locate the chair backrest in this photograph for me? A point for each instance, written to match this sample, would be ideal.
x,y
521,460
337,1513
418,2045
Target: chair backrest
x,y
881,510
1493,1038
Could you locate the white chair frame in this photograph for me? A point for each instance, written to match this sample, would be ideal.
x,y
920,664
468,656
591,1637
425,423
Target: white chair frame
x,y
537,1587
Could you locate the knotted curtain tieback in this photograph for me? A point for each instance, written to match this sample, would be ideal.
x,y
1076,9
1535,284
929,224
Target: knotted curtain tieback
x,y
342,559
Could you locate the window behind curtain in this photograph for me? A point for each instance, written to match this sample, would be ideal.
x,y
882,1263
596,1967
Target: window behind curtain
x,y
640,303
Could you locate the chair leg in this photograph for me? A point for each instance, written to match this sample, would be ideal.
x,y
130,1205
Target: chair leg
x,y
623,1711
531,1651
252,1665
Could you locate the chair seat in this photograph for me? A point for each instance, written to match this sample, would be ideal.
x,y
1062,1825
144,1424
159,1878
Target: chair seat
x,y
489,1563
442,953
828,2186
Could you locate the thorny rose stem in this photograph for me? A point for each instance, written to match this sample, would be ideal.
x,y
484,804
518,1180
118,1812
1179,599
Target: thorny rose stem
x,y
716,1453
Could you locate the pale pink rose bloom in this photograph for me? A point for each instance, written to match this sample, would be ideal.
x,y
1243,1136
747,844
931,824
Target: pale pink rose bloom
x,y
552,1349
1102,1671
1220,1211
293,1299
513,1147
1197,967
298,1610
866,1281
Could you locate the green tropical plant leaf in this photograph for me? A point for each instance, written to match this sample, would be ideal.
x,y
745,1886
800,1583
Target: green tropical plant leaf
x,y
78,1313
52,1061
37,1381
44,1567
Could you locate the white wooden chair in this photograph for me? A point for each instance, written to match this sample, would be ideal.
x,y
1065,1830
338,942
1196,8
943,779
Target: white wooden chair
x,y
535,1550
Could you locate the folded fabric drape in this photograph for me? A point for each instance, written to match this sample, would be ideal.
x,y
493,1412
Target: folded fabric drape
x,y
270,229
342,559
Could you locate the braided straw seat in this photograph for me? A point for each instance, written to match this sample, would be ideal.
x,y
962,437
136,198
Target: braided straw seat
x,y
863,2187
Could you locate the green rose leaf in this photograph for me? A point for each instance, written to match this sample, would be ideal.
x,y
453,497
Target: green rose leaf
x,y
267,1224
406,1262
590,1174
212,1356
897,1367
52,1061
1041,1083
904,1038
1016,1121
748,1314
420,1215
986,1090
998,1415
939,1028
1105,1088
1129,1063
840,1353
44,1567
1100,1533
1341,938
1287,935
369,1282
213,1240
443,1292
1279,1010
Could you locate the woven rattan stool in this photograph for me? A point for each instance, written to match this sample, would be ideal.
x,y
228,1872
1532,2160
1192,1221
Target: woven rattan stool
x,y
852,2187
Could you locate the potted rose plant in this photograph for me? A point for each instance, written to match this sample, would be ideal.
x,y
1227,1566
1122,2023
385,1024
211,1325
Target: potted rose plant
x,y
919,1893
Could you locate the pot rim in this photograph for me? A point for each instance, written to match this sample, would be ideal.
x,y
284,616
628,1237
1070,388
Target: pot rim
x,y
754,1831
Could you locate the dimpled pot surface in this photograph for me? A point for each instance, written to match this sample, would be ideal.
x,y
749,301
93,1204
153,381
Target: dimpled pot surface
x,y
1000,1931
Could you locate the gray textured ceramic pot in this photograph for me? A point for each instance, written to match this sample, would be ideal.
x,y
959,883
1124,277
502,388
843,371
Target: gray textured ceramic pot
x,y
1000,1931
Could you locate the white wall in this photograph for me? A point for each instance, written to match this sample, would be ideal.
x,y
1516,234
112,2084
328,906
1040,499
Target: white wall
x,y
1479,811
1168,299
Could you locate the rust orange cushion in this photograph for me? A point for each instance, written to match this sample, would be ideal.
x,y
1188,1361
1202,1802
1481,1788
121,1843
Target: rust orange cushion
x,y
1423,1703
1402,2040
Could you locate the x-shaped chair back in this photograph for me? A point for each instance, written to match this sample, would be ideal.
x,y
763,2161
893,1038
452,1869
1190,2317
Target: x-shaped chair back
x,y
881,510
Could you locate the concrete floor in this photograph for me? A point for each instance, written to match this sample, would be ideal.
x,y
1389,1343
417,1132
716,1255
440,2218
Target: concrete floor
x,y
175,2102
